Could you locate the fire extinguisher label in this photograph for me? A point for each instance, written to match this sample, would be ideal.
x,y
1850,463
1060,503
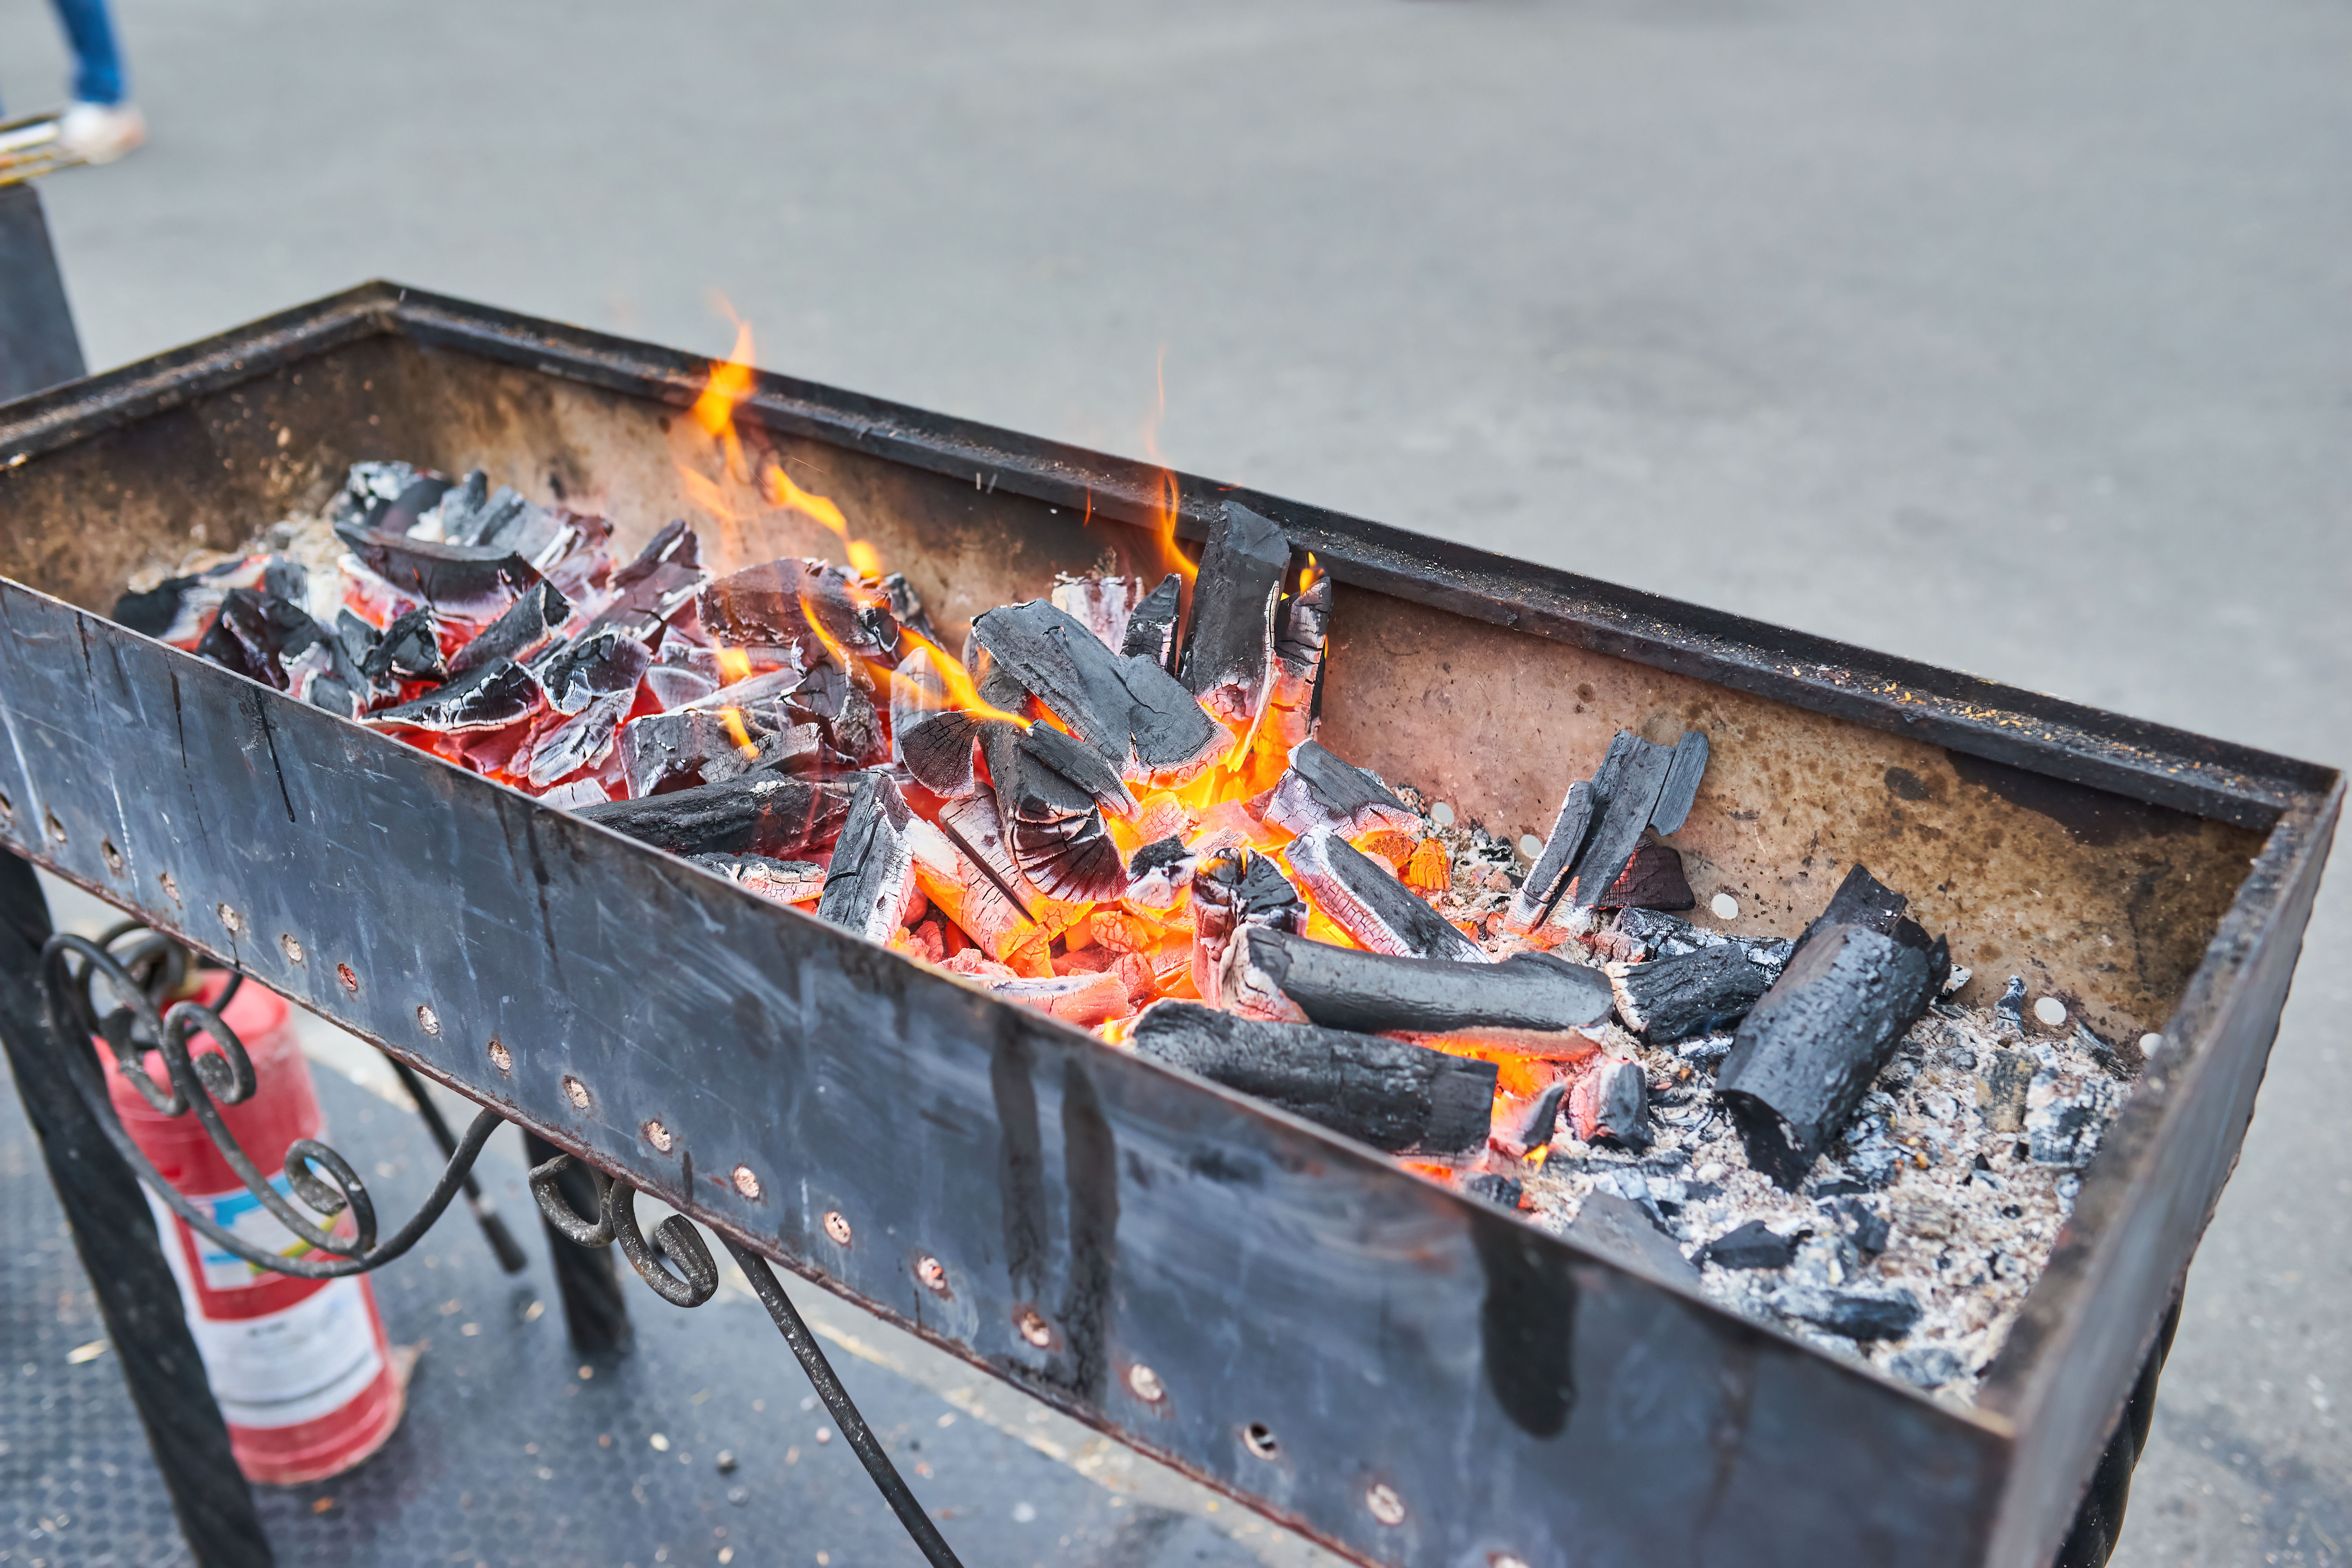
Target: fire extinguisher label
x,y
285,1368
241,1214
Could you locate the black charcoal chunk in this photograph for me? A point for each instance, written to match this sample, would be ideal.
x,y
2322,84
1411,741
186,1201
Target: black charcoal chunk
x,y
1503,1191
1653,879
1547,878
755,814
489,698
1622,1231
938,753
658,586
1293,702
457,578
1675,998
1753,1245
2010,1008
256,634
1672,808
1530,995
1399,1098
1870,1229
409,649
604,660
1229,649
873,870
1620,1097
1322,790
1233,889
1128,709
1159,874
1624,791
1151,634
1661,935
525,627
1810,1049
1863,1315
1543,1120
771,605
2001,1096
783,881
1370,905
2065,1117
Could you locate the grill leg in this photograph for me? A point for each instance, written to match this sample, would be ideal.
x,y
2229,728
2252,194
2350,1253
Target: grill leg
x,y
2100,1522
37,345
594,1309
115,1233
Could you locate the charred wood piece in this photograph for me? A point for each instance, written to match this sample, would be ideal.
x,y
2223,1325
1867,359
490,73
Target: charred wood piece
x,y
490,698
1530,1000
1128,709
409,649
1597,834
658,586
582,741
1321,790
757,814
1159,874
179,610
1616,1227
526,627
808,604
256,632
849,730
935,743
1863,1315
1695,993
1229,649
868,889
1233,889
1752,1245
1644,934
1680,790
1399,1098
1503,1191
1371,906
1547,878
969,873
783,881
1611,1103
748,725
1085,1000
1150,633
1101,604
1543,1121
1624,791
465,581
1810,1047
1052,822
1294,703
603,661
1653,879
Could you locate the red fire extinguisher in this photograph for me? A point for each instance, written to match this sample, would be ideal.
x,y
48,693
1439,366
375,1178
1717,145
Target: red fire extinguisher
x,y
301,1367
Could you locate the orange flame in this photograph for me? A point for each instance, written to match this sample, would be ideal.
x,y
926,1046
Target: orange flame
x,y
732,720
1165,513
730,384
735,665
962,695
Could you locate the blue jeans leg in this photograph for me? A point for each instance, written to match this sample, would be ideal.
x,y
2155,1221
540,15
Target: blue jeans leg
x,y
97,75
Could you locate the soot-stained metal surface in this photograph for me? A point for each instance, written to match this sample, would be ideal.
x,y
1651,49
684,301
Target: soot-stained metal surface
x,y
1398,1369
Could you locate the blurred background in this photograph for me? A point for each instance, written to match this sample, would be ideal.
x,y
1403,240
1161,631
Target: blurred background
x,y
2009,337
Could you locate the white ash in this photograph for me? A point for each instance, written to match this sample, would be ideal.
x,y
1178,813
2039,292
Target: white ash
x,y
1970,1201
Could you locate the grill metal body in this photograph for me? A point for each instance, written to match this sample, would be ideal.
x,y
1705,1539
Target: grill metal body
x,y
1386,1331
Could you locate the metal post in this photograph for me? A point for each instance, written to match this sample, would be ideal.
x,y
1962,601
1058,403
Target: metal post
x,y
38,348
115,1233
594,1309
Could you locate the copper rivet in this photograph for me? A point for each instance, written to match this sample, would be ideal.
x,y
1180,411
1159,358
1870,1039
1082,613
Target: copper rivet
x,y
746,1183
1145,1383
500,1058
1386,1506
229,917
113,855
933,1274
7,812
344,973
837,1228
57,829
171,888
1260,1440
290,947
658,1136
575,1091
1507,1560
1036,1328
428,1019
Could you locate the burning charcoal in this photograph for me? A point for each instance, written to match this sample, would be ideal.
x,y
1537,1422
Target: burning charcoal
x,y
1320,790
1808,1051
179,610
771,605
783,881
1053,823
966,869
1101,604
573,795
1612,1101
1375,909
1229,650
1547,878
682,674
1925,1366
1618,1229
1399,1098
1130,709
847,723
666,752
1653,879
1543,1122
2065,1115
2002,1092
656,586
936,743
1294,703
582,741
409,649
463,582
1863,1315
872,880
1151,634
1753,1245
471,513
1657,935
1503,1191
527,627
496,695
321,675
1085,1000
1530,1000
602,661
390,495
255,633
1159,874
757,814
1234,888
1680,789
1696,993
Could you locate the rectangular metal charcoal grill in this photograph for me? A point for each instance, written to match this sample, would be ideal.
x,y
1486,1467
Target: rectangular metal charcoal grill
x,y
1517,1396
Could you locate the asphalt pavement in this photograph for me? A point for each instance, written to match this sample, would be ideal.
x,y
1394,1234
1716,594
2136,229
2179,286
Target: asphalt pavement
x,y
2012,337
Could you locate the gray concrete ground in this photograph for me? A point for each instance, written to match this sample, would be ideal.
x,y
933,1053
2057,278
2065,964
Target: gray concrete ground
x,y
2010,336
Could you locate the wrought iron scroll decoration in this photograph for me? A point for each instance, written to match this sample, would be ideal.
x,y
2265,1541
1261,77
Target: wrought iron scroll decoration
x,y
154,967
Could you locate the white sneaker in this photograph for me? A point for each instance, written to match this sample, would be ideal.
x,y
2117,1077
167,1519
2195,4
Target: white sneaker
x,y
101,132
